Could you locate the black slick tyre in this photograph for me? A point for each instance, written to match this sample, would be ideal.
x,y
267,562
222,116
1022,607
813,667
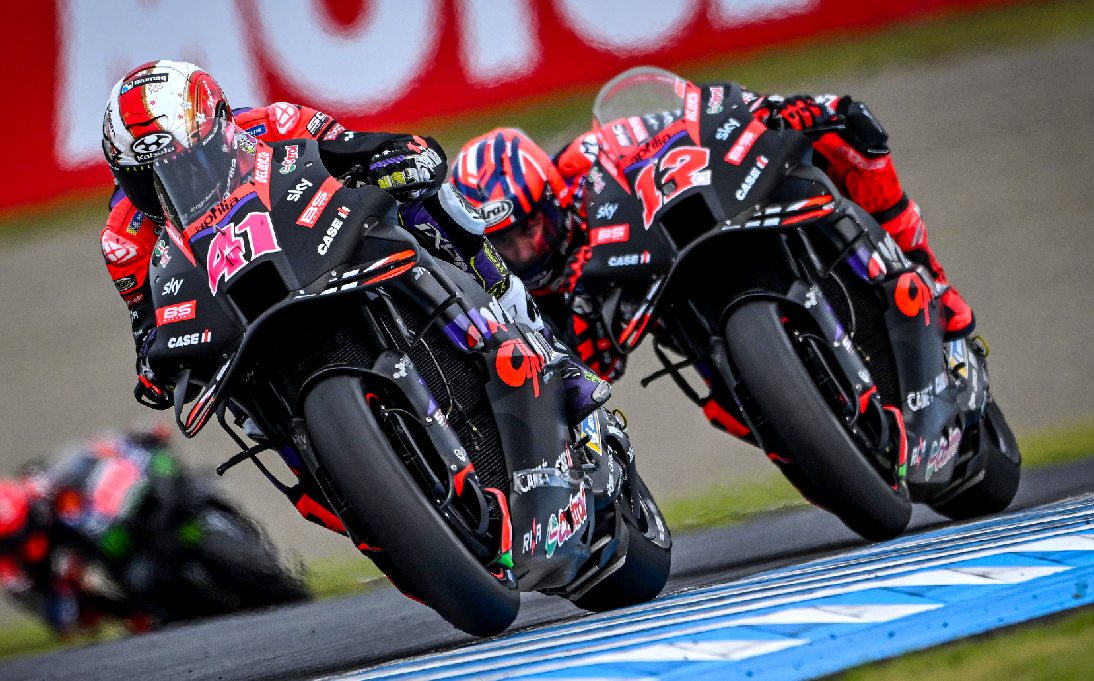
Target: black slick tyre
x,y
431,560
821,448
244,561
646,569
1002,472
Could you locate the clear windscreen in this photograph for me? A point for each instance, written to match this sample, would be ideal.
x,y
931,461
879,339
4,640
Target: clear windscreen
x,y
193,180
634,102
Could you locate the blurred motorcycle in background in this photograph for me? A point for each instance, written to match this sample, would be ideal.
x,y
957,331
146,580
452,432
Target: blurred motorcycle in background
x,y
120,528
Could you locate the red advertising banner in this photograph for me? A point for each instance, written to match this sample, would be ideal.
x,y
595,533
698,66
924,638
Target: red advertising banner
x,y
373,64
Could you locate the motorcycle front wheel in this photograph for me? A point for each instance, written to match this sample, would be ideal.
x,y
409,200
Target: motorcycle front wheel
x,y
822,451
645,569
430,559
1002,471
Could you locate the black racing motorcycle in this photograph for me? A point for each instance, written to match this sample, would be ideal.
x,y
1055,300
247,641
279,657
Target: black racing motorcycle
x,y
134,534
430,423
821,343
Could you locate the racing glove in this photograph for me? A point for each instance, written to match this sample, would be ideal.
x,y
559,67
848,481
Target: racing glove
x,y
802,112
590,337
150,390
408,168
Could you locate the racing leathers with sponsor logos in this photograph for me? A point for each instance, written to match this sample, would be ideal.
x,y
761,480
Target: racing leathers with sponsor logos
x,y
856,157
130,239
174,107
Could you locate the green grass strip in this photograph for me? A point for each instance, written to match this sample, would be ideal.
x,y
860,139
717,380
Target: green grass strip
x,y
1057,650
26,637
336,577
1061,444
730,505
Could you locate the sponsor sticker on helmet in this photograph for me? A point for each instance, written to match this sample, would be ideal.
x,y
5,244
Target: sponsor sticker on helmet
x,y
152,145
494,212
141,81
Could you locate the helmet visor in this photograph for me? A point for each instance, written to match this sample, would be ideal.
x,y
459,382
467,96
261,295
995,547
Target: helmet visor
x,y
527,245
193,180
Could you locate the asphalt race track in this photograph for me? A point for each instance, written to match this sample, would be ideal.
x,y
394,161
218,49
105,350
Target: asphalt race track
x,y
345,636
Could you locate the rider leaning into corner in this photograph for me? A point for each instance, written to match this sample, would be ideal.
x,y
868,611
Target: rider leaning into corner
x,y
163,107
534,207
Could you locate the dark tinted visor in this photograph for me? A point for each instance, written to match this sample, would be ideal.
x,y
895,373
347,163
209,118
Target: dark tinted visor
x,y
528,244
138,188
195,179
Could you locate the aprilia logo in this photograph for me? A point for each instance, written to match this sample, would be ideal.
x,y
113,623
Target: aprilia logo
x,y
176,313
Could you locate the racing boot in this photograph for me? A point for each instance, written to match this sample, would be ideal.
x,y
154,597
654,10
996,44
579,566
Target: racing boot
x,y
585,391
908,230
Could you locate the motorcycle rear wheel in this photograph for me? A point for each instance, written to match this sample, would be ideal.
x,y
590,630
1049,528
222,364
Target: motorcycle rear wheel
x,y
1001,474
243,561
818,443
430,558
